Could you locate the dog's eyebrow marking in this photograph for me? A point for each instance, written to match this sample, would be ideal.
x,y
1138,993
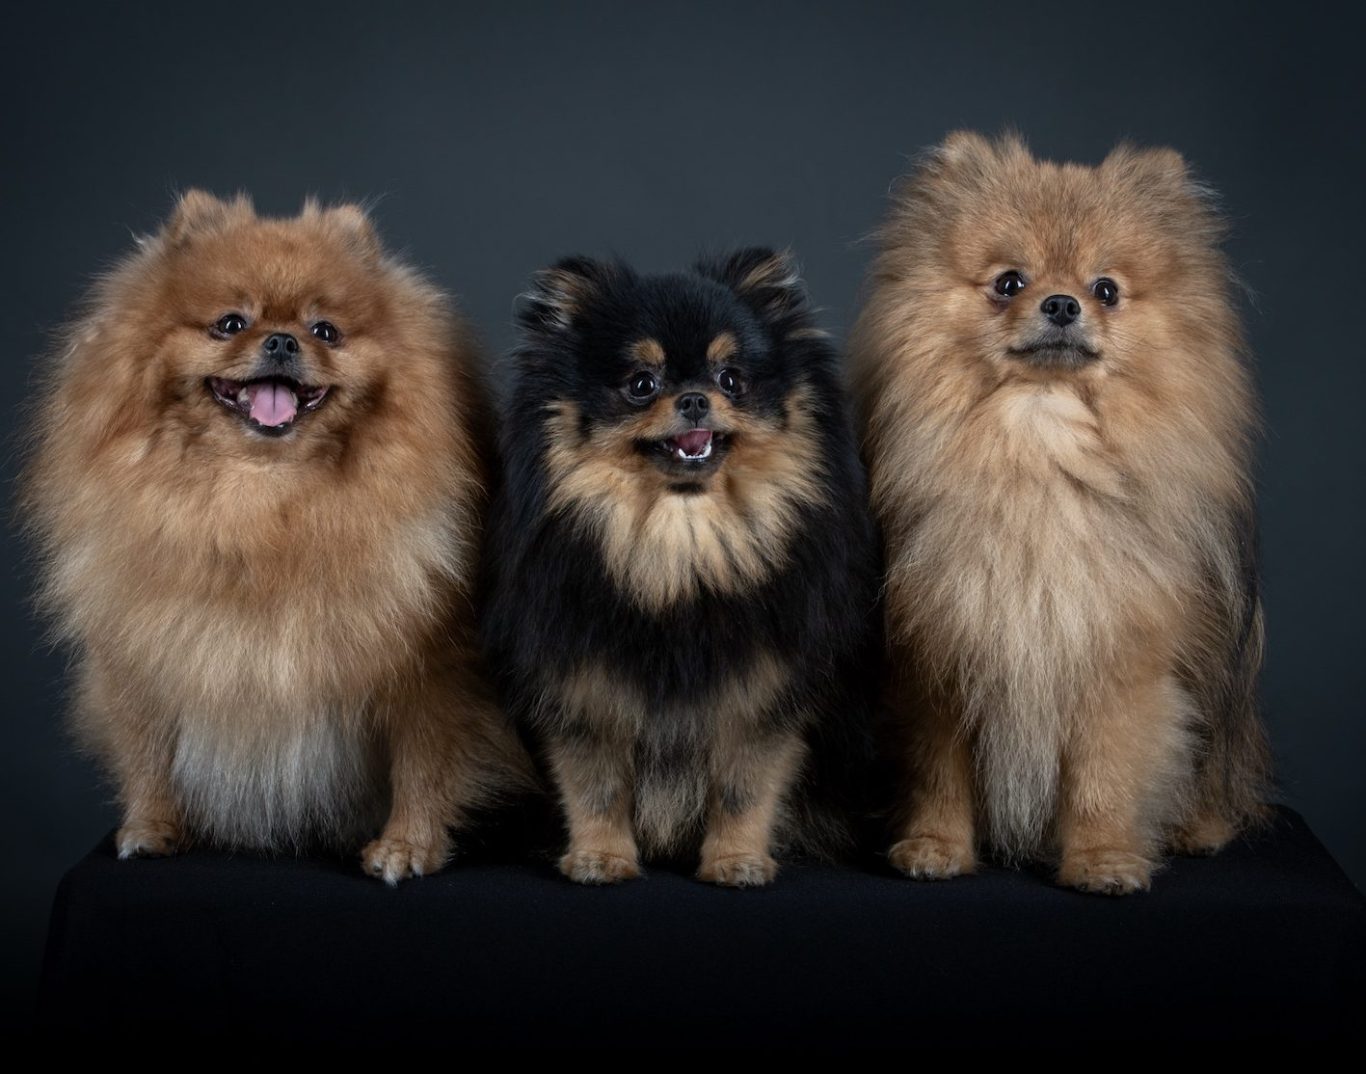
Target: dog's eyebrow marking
x,y
722,348
647,350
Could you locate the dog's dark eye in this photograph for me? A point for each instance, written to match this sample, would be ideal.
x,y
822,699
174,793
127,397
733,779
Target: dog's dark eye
x,y
1009,284
728,380
229,324
642,386
326,331
1106,290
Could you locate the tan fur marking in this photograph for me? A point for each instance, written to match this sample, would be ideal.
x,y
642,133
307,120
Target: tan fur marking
x,y
602,700
565,291
649,352
604,799
777,271
595,790
722,348
736,850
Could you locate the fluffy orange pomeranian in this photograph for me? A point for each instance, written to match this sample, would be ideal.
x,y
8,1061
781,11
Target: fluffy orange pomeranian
x,y
1058,418
257,488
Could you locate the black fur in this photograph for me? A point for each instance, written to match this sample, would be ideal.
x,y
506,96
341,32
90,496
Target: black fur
x,y
552,604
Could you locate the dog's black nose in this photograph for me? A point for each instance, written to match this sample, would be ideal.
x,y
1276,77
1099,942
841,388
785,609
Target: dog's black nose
x,y
1062,310
693,406
281,346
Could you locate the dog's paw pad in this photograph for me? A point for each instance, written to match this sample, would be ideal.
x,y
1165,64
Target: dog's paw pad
x,y
927,857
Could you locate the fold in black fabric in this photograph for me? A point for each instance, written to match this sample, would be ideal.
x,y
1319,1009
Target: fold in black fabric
x,y
1267,940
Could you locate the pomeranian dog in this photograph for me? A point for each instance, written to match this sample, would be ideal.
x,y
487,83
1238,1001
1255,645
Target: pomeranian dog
x,y
257,488
684,574
1057,421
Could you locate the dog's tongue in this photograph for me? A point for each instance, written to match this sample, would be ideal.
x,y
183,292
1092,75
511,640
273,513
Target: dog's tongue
x,y
271,403
692,443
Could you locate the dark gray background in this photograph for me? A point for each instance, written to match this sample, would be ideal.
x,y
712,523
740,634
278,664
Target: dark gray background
x,y
496,139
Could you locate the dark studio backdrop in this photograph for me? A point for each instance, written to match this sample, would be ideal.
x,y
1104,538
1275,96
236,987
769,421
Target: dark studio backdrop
x,y
497,138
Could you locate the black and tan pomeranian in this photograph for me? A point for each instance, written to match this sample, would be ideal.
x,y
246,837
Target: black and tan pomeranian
x,y
683,579
1057,422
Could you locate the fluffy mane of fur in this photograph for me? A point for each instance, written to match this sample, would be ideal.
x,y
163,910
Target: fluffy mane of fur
x,y
268,608
1050,537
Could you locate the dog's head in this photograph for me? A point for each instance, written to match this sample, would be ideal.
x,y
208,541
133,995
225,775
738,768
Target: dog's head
x,y
261,339
684,417
1045,271
671,379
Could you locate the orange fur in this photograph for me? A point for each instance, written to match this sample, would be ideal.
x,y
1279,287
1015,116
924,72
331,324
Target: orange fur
x,y
1065,546
273,635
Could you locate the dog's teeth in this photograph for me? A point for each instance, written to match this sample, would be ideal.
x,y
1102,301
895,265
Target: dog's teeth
x,y
243,396
705,453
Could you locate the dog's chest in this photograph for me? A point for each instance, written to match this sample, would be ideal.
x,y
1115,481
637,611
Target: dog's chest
x,y
1046,443
1033,473
1029,534
259,778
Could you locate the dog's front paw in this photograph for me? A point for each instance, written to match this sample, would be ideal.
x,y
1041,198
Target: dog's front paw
x,y
927,857
589,866
392,859
149,839
738,870
1105,872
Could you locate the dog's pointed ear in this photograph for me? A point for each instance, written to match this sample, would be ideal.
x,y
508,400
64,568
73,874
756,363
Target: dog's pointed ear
x,y
1161,167
350,221
559,294
767,281
964,149
965,155
1160,181
198,211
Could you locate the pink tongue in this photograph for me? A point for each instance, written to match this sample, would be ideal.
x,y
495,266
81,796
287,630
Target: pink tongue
x,y
693,442
271,403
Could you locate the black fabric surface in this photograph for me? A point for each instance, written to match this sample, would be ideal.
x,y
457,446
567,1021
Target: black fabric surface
x,y
1266,940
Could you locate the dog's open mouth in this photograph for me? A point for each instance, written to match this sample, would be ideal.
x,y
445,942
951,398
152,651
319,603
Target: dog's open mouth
x,y
693,452
693,446
269,404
